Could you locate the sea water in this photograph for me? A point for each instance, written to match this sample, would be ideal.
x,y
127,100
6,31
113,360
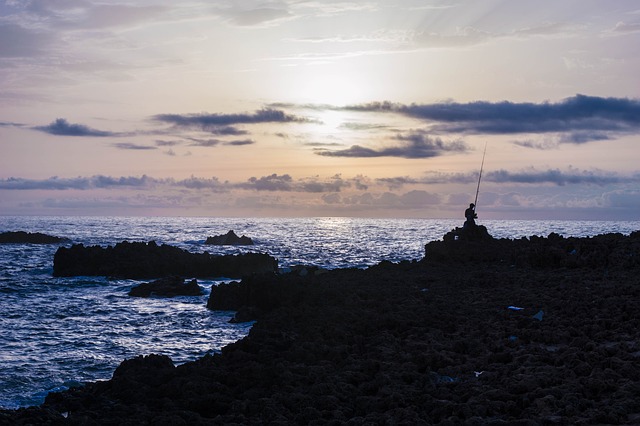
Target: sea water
x,y
61,332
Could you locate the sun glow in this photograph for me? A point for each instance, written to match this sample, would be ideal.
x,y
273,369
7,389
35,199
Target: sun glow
x,y
332,88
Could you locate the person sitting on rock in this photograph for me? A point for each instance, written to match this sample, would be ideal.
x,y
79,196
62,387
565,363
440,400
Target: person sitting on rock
x,y
471,216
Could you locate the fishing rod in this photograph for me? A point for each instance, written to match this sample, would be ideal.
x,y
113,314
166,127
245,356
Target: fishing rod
x,y
475,203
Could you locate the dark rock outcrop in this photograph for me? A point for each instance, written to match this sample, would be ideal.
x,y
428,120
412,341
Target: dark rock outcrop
x,y
21,237
555,251
257,294
167,287
140,260
468,233
229,239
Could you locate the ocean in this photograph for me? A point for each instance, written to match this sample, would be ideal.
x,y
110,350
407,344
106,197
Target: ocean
x,y
61,332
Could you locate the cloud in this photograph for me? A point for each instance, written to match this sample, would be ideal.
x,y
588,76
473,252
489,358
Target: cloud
x,y
116,15
21,42
222,124
61,127
416,144
167,143
284,194
272,182
211,184
259,16
286,183
584,137
204,142
240,142
397,182
570,176
80,14
586,118
411,200
314,185
362,126
336,183
107,182
625,28
215,142
10,124
558,177
544,144
463,37
133,146
226,131
82,183
470,36
622,199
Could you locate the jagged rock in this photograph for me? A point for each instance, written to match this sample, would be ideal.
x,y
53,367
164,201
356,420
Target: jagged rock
x,y
141,260
142,365
304,270
261,293
245,314
610,250
229,239
469,233
21,237
167,287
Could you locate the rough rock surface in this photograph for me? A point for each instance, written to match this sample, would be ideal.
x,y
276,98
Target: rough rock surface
x,y
21,237
149,260
602,251
538,331
230,238
167,287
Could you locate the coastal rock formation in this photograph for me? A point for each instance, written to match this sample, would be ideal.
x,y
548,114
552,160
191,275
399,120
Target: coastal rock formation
x,y
141,260
515,337
258,294
21,237
167,287
555,251
230,238
468,233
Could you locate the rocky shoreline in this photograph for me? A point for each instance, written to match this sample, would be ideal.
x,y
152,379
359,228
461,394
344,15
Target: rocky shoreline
x,y
501,332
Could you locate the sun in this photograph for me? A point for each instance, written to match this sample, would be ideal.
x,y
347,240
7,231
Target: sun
x,y
335,87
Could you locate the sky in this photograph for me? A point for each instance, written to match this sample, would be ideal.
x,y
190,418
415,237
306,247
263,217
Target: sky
x,y
296,108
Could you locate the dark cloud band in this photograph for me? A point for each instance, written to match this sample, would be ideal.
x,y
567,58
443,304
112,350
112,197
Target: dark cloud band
x,y
581,118
61,127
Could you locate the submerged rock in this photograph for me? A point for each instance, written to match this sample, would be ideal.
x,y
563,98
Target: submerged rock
x,y
149,260
21,237
229,239
167,287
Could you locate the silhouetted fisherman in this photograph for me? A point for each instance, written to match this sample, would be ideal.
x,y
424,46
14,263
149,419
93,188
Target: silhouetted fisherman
x,y
471,216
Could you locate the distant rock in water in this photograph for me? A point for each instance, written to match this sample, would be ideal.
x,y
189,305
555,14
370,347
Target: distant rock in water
x,y
149,260
21,237
167,287
229,239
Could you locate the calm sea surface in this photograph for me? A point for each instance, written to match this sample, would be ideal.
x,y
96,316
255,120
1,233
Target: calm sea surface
x,y
60,332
